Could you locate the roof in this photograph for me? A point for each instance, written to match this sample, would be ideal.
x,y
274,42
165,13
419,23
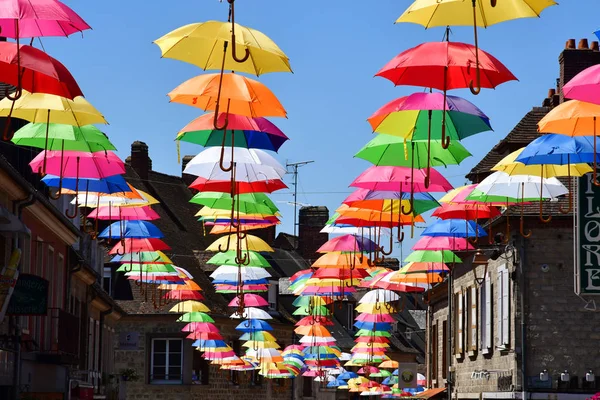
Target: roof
x,y
285,263
521,135
183,233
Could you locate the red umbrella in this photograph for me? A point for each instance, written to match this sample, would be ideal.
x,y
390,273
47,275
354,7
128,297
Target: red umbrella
x,y
340,273
40,73
312,320
445,66
183,295
204,336
129,245
468,211
267,186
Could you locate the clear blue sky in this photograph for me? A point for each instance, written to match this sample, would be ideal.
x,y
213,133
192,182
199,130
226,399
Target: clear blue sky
x,y
335,48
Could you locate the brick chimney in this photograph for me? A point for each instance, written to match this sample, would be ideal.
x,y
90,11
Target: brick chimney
x,y
139,159
573,60
310,222
266,234
187,179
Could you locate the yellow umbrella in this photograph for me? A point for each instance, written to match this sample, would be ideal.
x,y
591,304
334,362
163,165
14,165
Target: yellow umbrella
x,y
510,166
196,44
251,243
375,308
389,364
257,344
189,306
49,108
188,285
484,13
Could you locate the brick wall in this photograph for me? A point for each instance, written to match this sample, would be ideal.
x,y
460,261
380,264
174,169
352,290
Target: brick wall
x,y
219,387
573,60
310,222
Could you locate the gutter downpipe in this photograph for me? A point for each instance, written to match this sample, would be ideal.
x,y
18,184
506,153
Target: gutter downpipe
x,y
450,374
522,296
103,314
18,207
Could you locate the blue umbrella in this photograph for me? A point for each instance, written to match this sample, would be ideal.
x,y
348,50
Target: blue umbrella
x,y
209,343
558,150
347,375
336,383
111,184
454,228
252,325
244,282
131,229
373,326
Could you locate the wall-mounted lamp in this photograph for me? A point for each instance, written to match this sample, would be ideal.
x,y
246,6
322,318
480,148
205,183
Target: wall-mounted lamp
x,y
565,377
544,376
590,377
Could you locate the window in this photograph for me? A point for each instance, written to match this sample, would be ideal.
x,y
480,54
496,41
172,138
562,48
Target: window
x,y
350,317
485,295
107,280
61,282
233,375
273,289
39,257
200,369
434,351
307,387
503,316
471,308
166,362
459,324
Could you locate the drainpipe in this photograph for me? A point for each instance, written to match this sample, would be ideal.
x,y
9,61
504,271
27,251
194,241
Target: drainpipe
x,y
450,375
522,294
18,207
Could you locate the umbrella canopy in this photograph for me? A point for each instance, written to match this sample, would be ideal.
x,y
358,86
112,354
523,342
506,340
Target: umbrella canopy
x,y
109,185
189,306
419,115
517,187
443,13
201,43
256,133
134,245
352,243
584,86
78,164
230,242
35,18
443,256
251,165
249,203
144,213
266,186
572,118
228,258
48,108
250,300
468,211
443,243
559,150
242,95
391,178
454,228
86,138
131,229
449,65
511,166
39,73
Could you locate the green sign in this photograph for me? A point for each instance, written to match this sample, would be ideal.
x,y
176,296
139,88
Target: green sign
x,y
30,296
587,252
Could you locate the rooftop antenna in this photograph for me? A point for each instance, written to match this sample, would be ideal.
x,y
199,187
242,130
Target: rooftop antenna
x,y
294,167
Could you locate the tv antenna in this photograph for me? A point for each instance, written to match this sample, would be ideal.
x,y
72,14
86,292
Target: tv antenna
x,y
294,167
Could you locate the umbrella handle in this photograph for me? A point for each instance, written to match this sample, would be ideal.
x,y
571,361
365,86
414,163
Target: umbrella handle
x,y
493,3
507,238
76,210
233,51
400,234
223,168
542,218
8,133
445,139
568,210
409,209
475,88
387,253
522,229
62,164
218,101
123,246
221,250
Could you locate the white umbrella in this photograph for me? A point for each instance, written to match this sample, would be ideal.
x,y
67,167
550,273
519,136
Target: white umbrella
x,y
352,230
230,273
261,353
252,313
379,295
92,200
521,186
316,339
251,165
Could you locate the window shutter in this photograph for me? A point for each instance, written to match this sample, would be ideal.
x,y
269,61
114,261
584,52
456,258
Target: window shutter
x,y
505,308
461,325
487,343
500,303
473,340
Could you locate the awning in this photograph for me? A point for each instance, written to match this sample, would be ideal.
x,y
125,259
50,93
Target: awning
x,y
431,393
9,223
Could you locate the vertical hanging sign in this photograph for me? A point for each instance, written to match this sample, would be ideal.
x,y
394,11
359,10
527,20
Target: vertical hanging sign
x,y
587,237
8,281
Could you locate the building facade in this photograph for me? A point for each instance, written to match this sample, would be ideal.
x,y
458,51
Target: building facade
x,y
516,327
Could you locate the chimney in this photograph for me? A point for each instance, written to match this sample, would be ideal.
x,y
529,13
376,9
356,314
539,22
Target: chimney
x,y
311,220
266,234
139,159
573,60
187,178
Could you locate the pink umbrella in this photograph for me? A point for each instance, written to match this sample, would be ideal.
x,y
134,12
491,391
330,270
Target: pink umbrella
x,y
135,245
246,288
443,243
396,178
348,243
35,18
250,300
585,86
78,164
375,318
183,295
145,213
200,327
367,369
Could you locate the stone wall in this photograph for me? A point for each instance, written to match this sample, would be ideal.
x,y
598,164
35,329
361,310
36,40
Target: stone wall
x,y
219,385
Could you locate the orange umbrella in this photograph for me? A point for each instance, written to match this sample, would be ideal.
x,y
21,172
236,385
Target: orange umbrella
x,y
236,94
378,216
341,260
312,330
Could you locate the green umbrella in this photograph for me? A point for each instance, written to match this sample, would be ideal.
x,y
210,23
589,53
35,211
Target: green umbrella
x,y
445,256
248,203
228,258
195,316
388,150
368,332
381,374
318,310
86,138
146,268
478,195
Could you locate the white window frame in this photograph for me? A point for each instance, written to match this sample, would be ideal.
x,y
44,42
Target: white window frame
x,y
107,274
272,295
472,348
165,381
460,324
503,315
485,294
